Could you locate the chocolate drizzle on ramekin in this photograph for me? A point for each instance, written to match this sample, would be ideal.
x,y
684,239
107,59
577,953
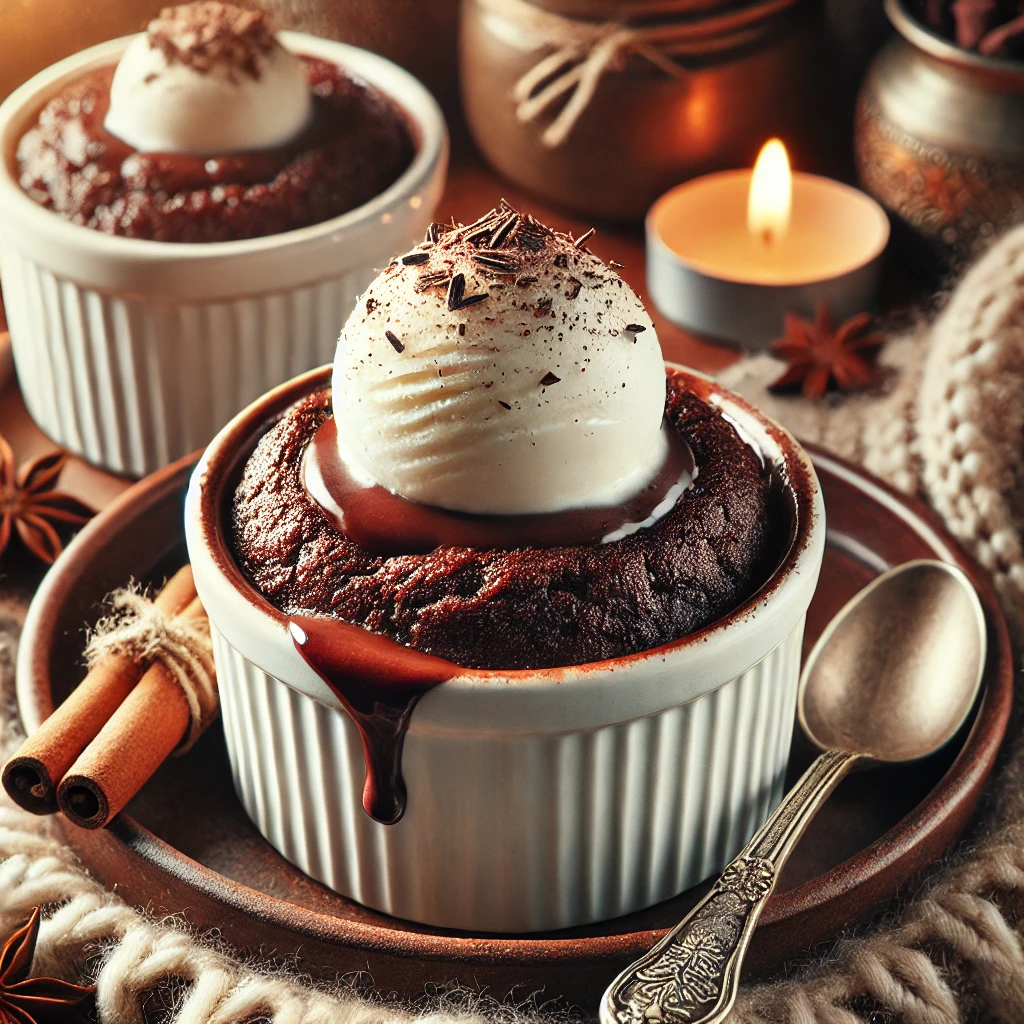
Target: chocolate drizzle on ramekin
x,y
379,683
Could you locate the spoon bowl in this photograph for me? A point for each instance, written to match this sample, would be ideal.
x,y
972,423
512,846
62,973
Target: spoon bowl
x,y
896,673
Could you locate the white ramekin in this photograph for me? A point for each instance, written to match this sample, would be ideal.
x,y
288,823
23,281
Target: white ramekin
x,y
133,353
537,799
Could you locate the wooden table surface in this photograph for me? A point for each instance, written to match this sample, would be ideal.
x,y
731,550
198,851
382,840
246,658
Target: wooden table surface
x,y
472,190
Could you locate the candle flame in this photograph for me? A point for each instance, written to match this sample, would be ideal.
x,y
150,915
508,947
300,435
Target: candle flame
x,y
771,194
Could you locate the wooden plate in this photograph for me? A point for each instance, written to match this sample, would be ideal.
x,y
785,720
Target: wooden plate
x,y
186,846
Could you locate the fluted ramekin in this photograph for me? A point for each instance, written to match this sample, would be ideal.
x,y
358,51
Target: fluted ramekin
x,y
537,799
133,353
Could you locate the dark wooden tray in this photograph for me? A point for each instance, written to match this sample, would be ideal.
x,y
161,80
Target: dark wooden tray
x,y
186,847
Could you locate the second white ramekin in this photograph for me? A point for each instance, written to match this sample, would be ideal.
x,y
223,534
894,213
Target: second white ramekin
x,y
537,799
133,353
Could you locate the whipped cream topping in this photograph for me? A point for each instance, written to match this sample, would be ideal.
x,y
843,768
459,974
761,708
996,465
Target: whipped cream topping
x,y
208,78
501,368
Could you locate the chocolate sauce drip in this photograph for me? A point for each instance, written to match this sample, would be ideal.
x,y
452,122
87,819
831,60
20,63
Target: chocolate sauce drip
x,y
387,524
378,682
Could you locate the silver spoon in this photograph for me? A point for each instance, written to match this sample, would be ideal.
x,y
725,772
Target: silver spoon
x,y
892,678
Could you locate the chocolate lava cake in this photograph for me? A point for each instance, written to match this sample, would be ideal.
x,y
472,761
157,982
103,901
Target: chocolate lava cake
x,y
522,608
356,144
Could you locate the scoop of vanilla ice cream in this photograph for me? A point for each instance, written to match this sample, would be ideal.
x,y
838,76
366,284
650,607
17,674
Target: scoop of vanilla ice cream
x,y
208,78
501,369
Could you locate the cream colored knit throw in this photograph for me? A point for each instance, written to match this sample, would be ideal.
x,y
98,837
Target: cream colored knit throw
x,y
948,424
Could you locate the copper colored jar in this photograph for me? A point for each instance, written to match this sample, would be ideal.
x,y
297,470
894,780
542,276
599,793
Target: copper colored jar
x,y
680,88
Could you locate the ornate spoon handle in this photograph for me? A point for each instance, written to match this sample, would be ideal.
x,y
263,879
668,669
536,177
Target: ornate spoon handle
x,y
691,975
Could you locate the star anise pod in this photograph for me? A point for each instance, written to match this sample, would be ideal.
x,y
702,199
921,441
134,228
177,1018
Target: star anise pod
x,y
819,355
25,1000
30,506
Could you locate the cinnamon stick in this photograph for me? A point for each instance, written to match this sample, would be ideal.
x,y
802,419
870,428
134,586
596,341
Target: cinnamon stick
x,y
971,18
144,731
995,43
32,774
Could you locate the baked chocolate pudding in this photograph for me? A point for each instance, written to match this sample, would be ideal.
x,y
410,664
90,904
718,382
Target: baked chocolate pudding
x,y
208,130
525,607
461,387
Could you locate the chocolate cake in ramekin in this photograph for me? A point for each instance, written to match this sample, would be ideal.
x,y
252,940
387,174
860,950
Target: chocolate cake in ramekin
x,y
152,295
493,719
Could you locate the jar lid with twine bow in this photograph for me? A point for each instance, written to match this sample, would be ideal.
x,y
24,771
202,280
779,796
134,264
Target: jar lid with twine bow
x,y
601,105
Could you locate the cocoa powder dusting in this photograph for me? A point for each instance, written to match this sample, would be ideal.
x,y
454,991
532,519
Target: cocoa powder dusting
x,y
209,34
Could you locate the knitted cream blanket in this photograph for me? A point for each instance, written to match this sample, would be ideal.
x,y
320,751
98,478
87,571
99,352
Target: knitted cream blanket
x,y
947,423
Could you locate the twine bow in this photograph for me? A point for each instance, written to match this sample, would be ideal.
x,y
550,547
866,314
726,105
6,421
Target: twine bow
x,y
585,51
138,629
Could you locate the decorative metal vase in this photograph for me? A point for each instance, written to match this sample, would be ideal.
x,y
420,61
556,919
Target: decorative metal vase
x,y
940,138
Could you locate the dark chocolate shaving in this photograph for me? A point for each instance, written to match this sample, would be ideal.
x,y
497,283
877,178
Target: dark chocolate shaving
x,y
561,260
456,291
635,328
575,287
415,258
504,405
470,300
522,282
427,281
371,304
502,262
504,230
396,344
548,379
434,232
482,229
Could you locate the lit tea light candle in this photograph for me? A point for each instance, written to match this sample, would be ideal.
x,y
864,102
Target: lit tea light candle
x,y
770,199
729,254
